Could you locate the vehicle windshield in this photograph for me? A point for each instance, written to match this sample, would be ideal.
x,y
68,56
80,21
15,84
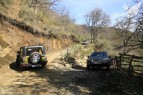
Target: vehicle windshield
x,y
34,49
99,55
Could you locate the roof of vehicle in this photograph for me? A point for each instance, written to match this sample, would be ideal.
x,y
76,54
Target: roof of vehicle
x,y
32,46
100,52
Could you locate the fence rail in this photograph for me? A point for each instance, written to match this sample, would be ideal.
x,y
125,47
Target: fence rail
x,y
131,63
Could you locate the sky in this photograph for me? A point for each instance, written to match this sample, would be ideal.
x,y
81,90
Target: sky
x,y
79,8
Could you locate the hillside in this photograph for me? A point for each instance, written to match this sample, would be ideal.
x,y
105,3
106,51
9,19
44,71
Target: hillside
x,y
113,41
21,25
17,29
29,22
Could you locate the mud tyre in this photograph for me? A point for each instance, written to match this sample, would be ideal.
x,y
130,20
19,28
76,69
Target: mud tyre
x,y
88,67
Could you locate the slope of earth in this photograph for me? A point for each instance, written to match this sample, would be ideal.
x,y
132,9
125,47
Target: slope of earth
x,y
13,35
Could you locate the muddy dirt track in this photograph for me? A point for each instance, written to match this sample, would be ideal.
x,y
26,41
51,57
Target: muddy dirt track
x,y
56,79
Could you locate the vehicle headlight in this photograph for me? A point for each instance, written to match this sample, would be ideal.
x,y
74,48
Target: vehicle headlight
x,y
92,60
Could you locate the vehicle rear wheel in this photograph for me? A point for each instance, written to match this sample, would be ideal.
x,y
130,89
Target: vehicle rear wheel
x,y
17,62
43,65
22,68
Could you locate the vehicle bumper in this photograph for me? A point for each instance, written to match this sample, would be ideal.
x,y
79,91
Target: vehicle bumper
x,y
33,65
105,64
100,65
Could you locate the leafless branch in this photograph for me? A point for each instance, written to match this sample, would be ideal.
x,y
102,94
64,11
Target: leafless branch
x,y
96,19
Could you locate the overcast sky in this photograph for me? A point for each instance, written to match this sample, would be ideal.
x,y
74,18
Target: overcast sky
x,y
79,8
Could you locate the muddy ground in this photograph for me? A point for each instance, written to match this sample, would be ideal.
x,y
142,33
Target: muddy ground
x,y
56,79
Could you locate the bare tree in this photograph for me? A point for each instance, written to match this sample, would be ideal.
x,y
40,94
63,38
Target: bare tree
x,y
131,31
40,4
64,16
96,19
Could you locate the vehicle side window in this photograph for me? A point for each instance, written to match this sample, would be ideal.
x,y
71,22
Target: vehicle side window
x,y
43,50
40,51
34,49
22,51
29,51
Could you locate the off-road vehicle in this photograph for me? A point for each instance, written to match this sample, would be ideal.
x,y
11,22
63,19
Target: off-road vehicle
x,y
98,59
31,56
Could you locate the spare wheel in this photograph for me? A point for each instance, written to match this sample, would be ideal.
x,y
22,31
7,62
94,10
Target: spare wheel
x,y
35,57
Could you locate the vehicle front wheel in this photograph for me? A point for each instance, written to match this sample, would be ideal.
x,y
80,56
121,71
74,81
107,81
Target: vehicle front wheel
x,y
107,68
88,67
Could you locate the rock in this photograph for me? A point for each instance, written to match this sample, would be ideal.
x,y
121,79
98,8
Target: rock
x,y
5,51
68,65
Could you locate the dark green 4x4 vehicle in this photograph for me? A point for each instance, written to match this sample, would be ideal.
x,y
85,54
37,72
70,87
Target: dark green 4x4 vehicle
x,y
31,56
98,59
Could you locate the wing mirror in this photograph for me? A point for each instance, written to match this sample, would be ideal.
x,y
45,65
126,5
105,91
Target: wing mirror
x,y
18,52
109,57
87,56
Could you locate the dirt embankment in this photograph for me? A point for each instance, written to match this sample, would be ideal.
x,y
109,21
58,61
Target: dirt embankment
x,y
14,34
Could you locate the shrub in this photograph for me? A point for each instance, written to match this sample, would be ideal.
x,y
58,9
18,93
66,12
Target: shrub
x,y
5,3
105,45
26,13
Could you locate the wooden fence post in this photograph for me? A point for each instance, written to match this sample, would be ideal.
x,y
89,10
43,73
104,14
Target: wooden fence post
x,y
117,62
120,62
130,69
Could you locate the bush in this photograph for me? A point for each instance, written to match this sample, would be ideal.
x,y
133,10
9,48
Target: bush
x,y
79,51
5,3
26,13
105,45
